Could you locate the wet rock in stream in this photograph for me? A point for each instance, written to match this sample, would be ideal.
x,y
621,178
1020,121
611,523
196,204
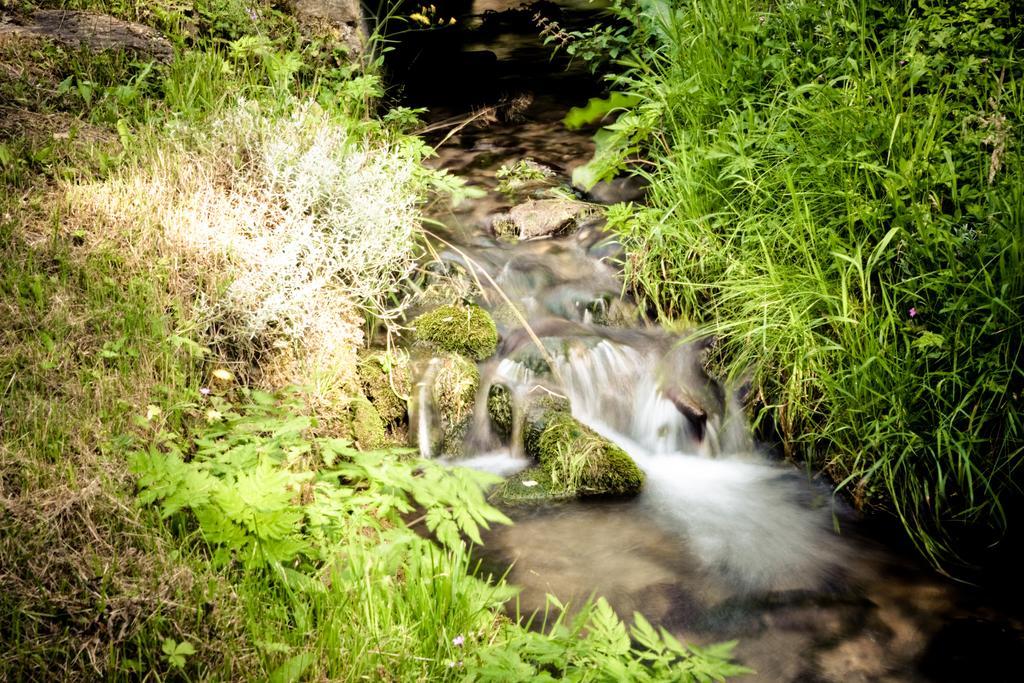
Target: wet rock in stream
x,y
616,190
499,409
453,381
572,460
541,218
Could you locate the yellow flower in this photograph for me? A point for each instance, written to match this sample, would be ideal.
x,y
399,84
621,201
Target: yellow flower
x,y
416,16
213,415
152,411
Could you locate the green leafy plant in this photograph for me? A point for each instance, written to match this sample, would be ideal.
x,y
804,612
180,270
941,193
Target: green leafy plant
x,y
594,645
175,653
263,491
521,174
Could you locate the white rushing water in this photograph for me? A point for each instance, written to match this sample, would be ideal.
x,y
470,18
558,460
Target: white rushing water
x,y
756,524
740,514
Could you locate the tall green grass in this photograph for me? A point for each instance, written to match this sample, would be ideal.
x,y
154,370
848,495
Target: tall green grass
x,y
836,189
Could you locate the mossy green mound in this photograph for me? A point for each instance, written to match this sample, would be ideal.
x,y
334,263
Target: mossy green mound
x,y
532,485
579,461
467,330
385,379
368,428
455,387
453,440
499,407
538,413
454,381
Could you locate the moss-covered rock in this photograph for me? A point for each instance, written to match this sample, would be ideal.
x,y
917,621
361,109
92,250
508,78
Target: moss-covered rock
x,y
384,379
368,428
539,411
451,383
467,330
579,461
453,440
532,485
499,408
535,359
541,218
455,387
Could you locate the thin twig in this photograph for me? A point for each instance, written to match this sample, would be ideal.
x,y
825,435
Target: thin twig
x,y
515,309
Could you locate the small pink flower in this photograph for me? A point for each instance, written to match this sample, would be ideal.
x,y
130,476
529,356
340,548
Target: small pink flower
x,y
457,641
205,391
912,312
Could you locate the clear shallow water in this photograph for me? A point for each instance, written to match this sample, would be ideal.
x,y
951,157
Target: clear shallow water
x,y
724,542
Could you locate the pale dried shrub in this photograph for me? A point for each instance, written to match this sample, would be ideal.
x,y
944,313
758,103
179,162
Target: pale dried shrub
x,y
306,223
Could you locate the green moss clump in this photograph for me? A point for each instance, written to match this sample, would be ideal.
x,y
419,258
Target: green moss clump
x,y
467,330
499,408
379,376
367,426
539,412
455,387
532,485
453,440
578,460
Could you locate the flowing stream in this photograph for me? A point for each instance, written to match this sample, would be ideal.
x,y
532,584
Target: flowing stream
x,y
725,542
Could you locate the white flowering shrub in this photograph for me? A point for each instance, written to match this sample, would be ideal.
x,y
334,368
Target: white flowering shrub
x,y
306,221
332,213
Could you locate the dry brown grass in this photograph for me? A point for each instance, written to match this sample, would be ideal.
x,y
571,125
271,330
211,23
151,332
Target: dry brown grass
x,y
84,576
87,580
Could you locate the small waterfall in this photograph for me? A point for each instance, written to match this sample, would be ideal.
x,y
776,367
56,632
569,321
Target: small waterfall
x,y
760,525
614,388
422,410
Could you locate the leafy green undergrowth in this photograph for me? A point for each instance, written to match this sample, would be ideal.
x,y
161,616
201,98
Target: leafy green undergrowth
x,y
837,192
337,584
264,491
594,645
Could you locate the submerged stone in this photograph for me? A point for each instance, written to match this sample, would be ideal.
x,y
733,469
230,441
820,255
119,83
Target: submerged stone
x,y
617,190
541,218
467,330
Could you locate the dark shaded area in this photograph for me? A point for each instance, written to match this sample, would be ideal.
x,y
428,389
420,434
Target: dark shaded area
x,y
485,57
